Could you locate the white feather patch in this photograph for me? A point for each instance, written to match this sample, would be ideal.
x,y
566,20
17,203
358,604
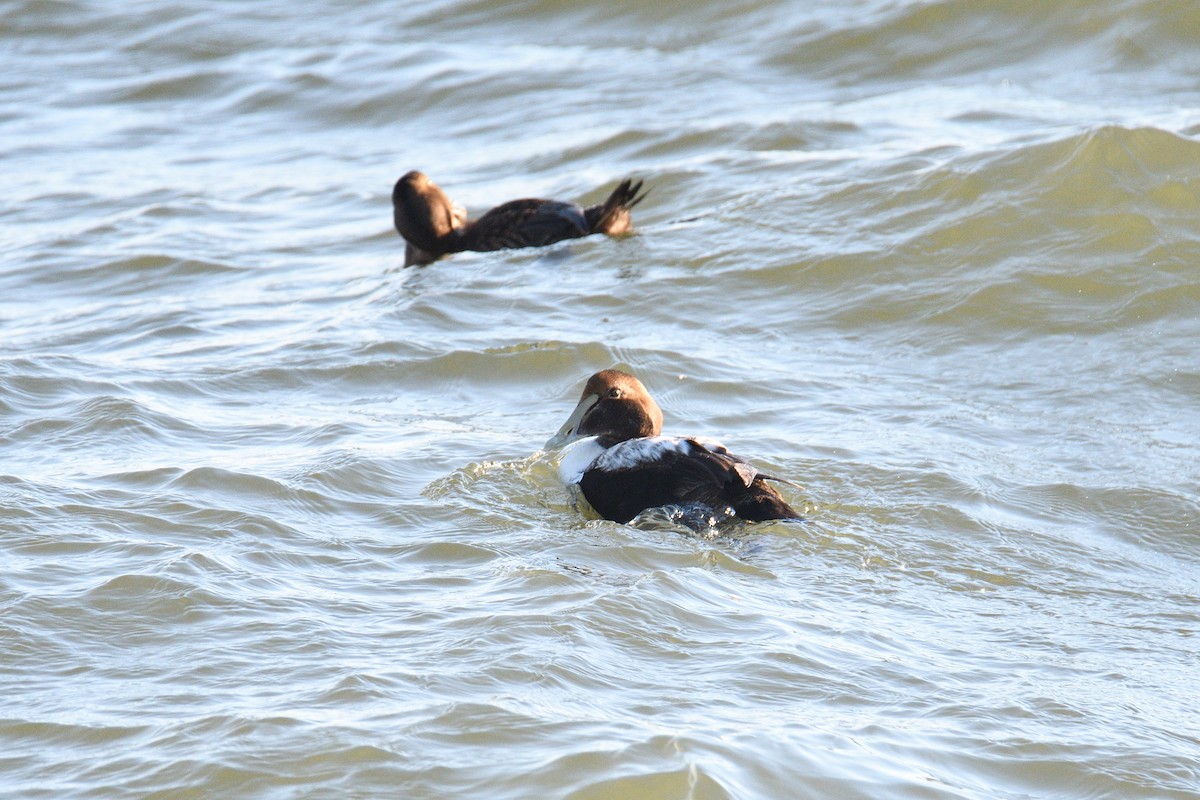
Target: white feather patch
x,y
634,452
577,457
584,454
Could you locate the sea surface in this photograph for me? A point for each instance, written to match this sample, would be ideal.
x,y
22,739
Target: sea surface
x,y
276,520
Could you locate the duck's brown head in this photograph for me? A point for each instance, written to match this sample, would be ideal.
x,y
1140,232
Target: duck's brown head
x,y
424,215
614,406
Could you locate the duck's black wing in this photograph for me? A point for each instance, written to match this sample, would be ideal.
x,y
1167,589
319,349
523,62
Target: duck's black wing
x,y
525,223
676,473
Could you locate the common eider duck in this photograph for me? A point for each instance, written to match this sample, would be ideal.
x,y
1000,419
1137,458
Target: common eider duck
x,y
623,466
433,226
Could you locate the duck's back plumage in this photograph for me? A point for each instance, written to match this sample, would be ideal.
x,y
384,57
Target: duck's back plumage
x,y
525,223
638,474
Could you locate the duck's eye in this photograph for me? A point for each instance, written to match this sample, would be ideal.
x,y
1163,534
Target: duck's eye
x,y
614,392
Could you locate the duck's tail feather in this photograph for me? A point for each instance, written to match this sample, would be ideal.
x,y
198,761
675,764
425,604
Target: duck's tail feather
x,y
612,216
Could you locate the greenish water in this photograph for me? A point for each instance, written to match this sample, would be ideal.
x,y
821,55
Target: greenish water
x,y
274,517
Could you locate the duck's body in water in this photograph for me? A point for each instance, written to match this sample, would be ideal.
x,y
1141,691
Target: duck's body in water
x,y
623,466
433,226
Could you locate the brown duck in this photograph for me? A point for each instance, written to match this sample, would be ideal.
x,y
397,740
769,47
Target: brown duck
x,y
433,226
623,466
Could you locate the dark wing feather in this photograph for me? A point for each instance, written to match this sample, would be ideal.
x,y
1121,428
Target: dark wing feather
x,y
693,474
525,223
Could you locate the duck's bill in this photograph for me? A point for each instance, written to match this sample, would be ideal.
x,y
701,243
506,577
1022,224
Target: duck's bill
x,y
569,432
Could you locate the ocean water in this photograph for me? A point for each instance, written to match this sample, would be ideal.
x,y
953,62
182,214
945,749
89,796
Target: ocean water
x,y
275,520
